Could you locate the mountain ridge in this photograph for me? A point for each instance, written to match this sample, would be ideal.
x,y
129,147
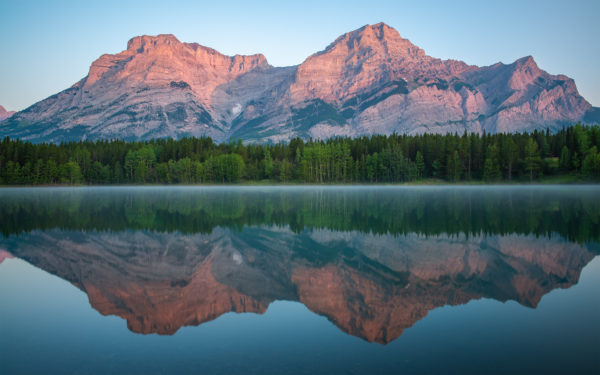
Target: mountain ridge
x,y
4,114
367,81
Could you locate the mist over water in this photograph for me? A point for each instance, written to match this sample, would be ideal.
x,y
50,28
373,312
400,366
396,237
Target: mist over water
x,y
296,279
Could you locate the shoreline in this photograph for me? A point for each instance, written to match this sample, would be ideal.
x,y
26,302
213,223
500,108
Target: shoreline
x,y
296,184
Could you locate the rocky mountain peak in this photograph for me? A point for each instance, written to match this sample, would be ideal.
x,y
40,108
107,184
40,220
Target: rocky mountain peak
x,y
368,81
163,58
168,43
4,114
139,43
527,64
371,56
527,61
376,39
525,71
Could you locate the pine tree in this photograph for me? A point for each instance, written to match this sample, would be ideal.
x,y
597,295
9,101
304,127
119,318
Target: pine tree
x,y
491,167
590,166
511,155
268,163
420,163
454,167
285,172
532,158
565,160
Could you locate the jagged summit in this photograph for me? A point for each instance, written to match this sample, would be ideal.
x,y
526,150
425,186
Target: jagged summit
x,y
360,60
164,56
380,34
4,114
137,43
153,44
368,81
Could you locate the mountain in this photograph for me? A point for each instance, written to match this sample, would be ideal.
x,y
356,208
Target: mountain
x,y
374,287
368,81
4,114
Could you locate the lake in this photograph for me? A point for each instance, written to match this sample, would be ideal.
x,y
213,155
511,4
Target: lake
x,y
294,280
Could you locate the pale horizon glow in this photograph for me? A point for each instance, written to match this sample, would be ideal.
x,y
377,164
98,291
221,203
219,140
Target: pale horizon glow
x,y
49,46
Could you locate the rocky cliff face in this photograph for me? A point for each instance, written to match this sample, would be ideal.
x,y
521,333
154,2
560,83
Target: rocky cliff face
x,y
374,287
367,81
4,114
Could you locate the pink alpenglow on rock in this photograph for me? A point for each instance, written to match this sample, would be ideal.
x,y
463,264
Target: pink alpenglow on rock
x,y
4,114
368,81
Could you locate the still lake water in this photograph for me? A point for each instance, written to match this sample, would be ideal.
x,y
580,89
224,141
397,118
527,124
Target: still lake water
x,y
286,280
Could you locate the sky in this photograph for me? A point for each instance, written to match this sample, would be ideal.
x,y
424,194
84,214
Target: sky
x,y
47,46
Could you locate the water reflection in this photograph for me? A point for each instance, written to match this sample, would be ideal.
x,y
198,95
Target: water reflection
x,y
372,260
572,212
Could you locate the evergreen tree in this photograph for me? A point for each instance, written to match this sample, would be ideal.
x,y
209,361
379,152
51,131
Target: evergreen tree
x,y
268,164
72,173
435,166
378,158
52,171
285,171
420,164
454,167
532,158
565,160
590,167
118,174
491,167
511,156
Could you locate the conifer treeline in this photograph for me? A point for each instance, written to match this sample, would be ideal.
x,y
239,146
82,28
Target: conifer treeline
x,y
378,158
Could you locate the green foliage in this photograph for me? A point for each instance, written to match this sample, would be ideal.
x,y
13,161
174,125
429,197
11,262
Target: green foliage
x,y
71,173
565,159
376,159
590,167
228,168
420,164
285,172
268,164
491,167
454,167
532,158
510,155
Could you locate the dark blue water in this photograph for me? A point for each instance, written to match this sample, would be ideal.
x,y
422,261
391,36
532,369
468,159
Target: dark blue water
x,y
300,280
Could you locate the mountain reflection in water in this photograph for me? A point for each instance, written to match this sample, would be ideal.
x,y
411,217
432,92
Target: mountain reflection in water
x,y
372,260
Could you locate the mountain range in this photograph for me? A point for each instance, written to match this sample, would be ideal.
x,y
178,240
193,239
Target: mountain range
x,y
374,288
368,81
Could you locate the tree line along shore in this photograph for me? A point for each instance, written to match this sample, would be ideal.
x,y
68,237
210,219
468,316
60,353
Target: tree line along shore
x,y
519,157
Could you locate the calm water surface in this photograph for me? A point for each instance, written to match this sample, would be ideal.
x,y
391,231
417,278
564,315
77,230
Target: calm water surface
x,y
349,280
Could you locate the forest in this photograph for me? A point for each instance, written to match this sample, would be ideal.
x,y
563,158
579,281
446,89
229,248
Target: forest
x,y
489,158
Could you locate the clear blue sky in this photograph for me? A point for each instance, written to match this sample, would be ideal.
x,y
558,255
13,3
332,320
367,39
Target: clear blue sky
x,y
49,45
